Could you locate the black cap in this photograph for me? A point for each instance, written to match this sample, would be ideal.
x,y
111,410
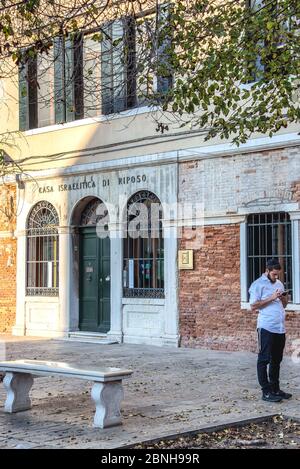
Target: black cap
x,y
273,264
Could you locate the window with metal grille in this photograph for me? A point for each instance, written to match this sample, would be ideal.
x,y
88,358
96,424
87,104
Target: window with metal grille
x,y
143,272
42,251
269,235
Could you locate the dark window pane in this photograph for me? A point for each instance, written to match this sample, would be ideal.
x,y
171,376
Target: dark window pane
x,y
269,235
42,251
143,249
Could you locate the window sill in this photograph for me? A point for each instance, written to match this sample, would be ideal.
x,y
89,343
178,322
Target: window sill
x,y
89,121
143,301
42,299
290,306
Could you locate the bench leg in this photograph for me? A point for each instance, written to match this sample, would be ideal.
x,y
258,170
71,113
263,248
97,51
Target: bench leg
x,y
17,386
107,397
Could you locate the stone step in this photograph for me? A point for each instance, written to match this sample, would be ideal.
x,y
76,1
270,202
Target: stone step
x,y
91,337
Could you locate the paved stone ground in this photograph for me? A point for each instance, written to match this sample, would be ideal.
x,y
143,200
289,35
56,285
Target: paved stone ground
x,y
171,390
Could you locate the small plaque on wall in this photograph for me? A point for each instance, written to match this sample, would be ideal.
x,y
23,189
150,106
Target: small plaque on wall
x,y
185,259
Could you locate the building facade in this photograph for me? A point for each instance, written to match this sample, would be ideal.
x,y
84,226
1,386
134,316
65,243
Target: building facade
x,y
223,208
251,213
68,279
80,282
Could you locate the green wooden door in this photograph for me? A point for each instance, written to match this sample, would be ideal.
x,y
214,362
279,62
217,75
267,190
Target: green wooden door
x,y
94,282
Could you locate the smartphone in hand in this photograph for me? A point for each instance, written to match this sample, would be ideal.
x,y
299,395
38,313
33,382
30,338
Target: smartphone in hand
x,y
285,292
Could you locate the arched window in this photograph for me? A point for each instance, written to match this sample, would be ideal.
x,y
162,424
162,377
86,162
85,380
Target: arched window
x,y
42,251
93,213
143,273
269,235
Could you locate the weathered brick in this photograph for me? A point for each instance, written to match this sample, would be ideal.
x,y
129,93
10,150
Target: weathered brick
x,y
210,299
7,258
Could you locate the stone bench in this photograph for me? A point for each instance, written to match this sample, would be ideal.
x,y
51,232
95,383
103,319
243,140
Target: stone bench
x,y
107,391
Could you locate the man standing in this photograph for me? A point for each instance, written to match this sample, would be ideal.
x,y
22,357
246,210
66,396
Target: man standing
x,y
267,295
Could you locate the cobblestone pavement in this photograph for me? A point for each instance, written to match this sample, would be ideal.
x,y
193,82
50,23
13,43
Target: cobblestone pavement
x,y
171,390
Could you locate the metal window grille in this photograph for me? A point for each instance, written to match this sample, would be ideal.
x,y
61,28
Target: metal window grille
x,y
269,235
90,215
143,271
42,273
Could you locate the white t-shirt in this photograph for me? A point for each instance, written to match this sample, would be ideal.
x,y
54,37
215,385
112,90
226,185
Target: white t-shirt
x,y
272,316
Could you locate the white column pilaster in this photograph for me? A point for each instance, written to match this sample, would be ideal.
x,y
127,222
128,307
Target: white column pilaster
x,y
65,244
243,262
19,328
116,292
296,259
171,332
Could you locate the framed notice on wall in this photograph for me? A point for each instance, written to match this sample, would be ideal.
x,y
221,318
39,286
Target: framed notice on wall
x,y
186,259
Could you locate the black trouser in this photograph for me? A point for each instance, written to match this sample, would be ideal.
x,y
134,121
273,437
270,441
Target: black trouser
x,y
271,347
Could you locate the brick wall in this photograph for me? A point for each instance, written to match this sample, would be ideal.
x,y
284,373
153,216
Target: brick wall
x,y
296,191
7,258
231,186
210,297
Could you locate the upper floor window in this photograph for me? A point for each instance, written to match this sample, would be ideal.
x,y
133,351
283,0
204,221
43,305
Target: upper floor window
x,y
164,72
42,251
118,73
96,73
270,48
80,77
50,85
269,236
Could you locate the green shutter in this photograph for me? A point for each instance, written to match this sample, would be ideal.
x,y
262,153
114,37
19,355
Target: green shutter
x,y
118,69
69,80
23,98
32,93
130,62
28,95
78,77
59,80
164,76
106,70
119,66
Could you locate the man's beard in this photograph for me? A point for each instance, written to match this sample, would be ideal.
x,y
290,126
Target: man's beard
x,y
272,281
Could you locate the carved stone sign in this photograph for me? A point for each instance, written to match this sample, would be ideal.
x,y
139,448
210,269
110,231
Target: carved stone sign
x,y
89,183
